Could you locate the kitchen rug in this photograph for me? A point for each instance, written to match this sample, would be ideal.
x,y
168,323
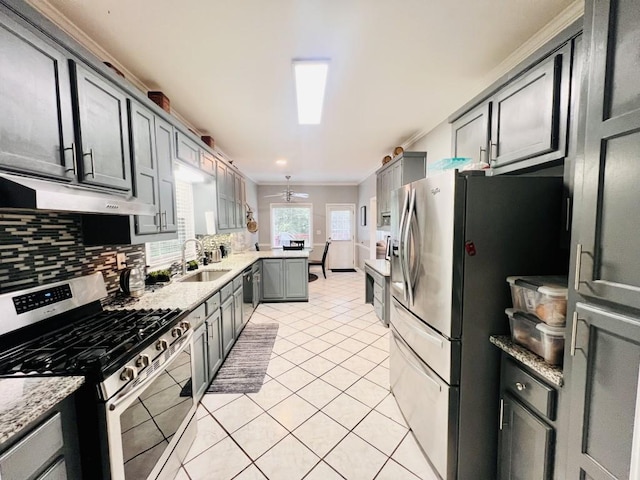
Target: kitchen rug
x,y
343,270
244,369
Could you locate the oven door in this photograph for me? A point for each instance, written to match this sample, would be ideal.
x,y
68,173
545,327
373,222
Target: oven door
x,y
145,423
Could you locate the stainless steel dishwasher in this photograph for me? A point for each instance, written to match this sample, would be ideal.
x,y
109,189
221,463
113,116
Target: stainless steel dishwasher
x,y
247,295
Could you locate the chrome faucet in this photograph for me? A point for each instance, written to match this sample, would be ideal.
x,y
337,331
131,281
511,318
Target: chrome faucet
x,y
199,252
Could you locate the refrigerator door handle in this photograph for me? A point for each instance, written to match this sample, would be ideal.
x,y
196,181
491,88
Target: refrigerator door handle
x,y
412,240
401,247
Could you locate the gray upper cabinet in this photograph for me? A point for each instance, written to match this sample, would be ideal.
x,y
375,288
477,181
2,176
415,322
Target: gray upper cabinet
x,y
604,389
230,186
608,264
231,193
36,124
470,134
187,150
102,133
151,150
207,162
526,114
223,200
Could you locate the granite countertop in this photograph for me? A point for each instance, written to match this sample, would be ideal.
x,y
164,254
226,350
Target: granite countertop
x,y
23,399
552,373
383,267
188,295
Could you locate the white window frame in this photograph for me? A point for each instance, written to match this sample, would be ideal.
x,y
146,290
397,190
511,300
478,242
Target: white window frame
x,y
272,206
184,212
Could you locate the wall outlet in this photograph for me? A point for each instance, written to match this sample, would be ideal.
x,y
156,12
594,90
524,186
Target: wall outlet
x,y
121,260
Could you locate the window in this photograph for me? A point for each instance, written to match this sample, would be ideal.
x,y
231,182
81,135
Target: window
x,y
291,222
164,253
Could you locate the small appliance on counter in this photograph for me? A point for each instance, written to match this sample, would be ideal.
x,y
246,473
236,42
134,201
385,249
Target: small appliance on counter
x,y
224,251
214,256
132,282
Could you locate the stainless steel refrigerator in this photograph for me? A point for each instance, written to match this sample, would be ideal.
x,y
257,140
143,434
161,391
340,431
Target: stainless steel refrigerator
x,y
455,239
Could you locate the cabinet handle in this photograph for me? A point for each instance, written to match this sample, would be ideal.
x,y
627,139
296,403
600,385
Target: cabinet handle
x,y
501,419
158,221
521,386
163,226
568,219
73,158
493,154
574,332
93,165
482,150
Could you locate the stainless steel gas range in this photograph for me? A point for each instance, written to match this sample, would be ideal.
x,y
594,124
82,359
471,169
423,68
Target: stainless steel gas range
x,y
137,400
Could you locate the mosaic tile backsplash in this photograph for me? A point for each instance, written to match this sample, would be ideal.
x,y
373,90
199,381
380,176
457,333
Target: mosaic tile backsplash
x,y
43,247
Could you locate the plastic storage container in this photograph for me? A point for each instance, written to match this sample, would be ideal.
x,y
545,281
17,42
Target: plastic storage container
x,y
537,336
545,297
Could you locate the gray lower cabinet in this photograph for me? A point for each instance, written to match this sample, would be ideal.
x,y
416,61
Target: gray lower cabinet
x,y
227,318
36,125
214,343
604,394
285,279
45,450
199,380
237,310
102,132
528,426
377,293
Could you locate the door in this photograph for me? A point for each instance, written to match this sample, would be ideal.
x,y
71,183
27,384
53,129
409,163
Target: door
x,y
604,389
608,264
272,279
470,134
214,344
36,124
102,151
526,114
341,231
143,152
166,182
526,443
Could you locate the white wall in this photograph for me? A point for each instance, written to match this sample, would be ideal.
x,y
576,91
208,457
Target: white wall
x,y
319,196
437,143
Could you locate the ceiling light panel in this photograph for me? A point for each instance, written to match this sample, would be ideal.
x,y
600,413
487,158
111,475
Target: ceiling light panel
x,y
311,79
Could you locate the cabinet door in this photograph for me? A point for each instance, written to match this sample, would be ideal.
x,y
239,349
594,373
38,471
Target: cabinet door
x,y
608,263
207,162
145,167
199,362
166,182
296,278
240,200
214,344
379,200
103,134
396,179
187,150
526,114
221,192
386,189
604,391
228,332
36,124
272,279
231,195
470,134
237,311
526,443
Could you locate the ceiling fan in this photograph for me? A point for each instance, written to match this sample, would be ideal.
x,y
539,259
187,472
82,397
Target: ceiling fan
x,y
288,194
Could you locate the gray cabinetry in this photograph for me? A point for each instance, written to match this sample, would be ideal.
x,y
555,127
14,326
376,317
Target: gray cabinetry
x,y
102,133
407,168
228,331
527,428
377,293
187,150
151,142
214,337
529,116
470,134
199,379
45,450
36,124
223,200
285,279
604,392
237,310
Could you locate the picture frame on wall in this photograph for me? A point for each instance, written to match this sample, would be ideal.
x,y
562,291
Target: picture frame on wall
x,y
363,215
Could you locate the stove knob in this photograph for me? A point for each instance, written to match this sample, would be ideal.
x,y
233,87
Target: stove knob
x,y
185,325
143,361
162,345
177,332
128,373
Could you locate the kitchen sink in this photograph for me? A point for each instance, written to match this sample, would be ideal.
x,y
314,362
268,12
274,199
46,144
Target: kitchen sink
x,y
206,276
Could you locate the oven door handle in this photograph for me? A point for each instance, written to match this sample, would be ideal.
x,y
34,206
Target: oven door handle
x,y
133,393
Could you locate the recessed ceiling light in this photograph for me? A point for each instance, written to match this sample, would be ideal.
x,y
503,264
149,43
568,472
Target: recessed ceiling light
x,y
311,79
281,162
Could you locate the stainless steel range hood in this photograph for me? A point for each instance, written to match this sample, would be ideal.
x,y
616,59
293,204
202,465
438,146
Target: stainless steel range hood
x,y
36,194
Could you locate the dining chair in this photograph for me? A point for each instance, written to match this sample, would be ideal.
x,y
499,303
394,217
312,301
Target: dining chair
x,y
292,247
293,243
322,262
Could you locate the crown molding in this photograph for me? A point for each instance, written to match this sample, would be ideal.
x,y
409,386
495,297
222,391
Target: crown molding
x,y
564,19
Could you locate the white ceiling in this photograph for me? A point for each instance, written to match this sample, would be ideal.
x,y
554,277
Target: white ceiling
x,y
397,68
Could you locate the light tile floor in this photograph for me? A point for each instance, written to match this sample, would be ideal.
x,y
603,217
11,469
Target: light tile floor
x,y
324,412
